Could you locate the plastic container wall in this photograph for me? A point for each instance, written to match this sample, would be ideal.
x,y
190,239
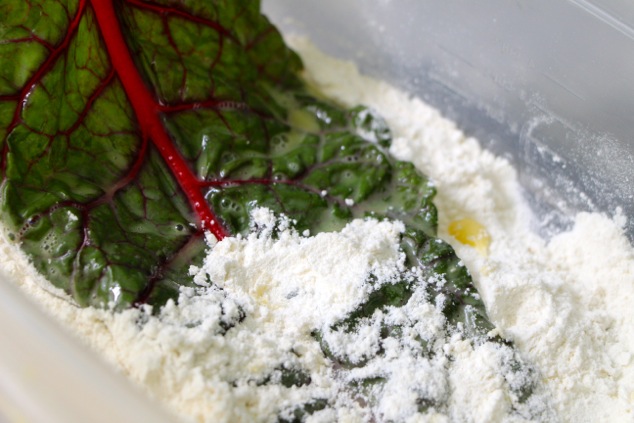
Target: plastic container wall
x,y
47,376
548,84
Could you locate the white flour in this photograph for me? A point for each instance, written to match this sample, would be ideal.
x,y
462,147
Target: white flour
x,y
566,304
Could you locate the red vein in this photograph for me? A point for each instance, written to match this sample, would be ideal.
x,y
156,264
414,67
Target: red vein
x,y
10,97
259,37
207,104
165,10
148,110
91,100
29,39
255,181
37,77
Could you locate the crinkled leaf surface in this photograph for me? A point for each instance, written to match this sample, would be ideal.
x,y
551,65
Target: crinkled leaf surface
x,y
129,127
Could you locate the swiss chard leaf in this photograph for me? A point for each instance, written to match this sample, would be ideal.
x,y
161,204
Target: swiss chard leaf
x,y
130,127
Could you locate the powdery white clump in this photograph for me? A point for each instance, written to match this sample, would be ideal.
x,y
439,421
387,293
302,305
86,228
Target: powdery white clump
x,y
308,273
224,352
565,303
291,286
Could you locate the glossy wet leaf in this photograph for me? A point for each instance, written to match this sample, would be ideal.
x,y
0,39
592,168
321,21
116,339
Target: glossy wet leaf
x,y
109,199
129,127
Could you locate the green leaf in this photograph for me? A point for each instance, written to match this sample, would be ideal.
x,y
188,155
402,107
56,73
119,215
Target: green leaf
x,y
109,202
129,127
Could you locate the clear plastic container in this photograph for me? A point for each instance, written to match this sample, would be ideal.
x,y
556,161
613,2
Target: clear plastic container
x,y
47,376
548,84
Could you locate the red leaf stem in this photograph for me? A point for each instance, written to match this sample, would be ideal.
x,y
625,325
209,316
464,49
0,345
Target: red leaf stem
x,y
148,113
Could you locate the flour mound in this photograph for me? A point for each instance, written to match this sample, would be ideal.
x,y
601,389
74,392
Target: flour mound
x,y
241,345
567,303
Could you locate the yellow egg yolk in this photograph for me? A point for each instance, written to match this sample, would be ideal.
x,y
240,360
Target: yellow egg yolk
x,y
471,232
